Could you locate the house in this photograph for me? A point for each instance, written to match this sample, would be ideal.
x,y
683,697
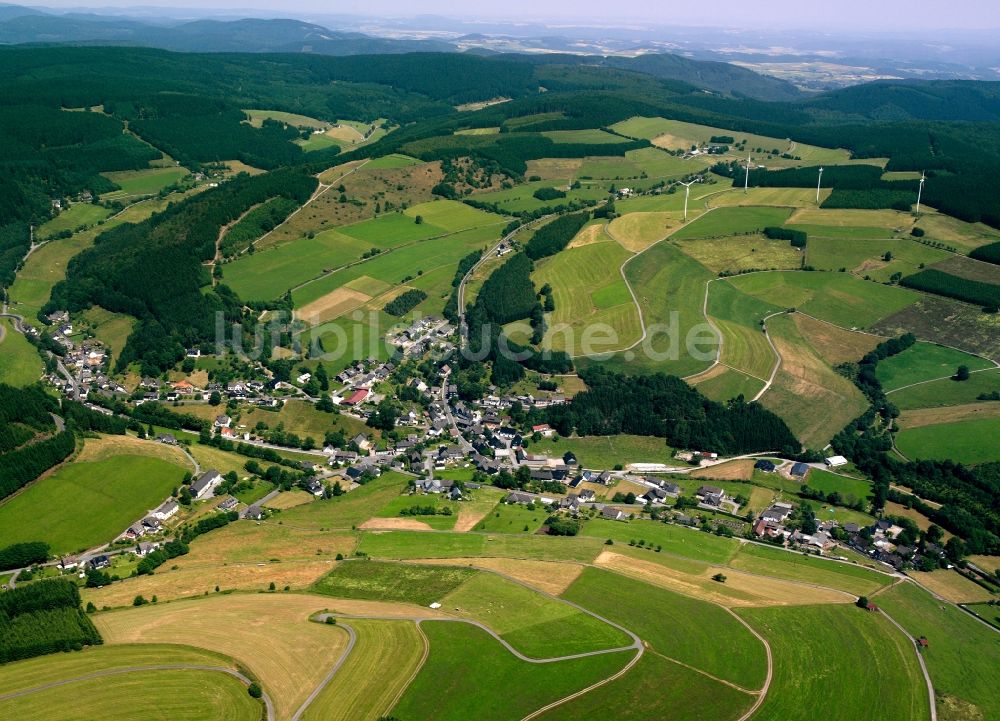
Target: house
x,y
228,504
145,548
304,378
835,461
135,531
544,430
710,495
204,484
587,496
167,439
254,513
357,397
799,470
151,524
764,465
655,495
166,510
361,442
518,497
612,514
671,489
101,561
223,421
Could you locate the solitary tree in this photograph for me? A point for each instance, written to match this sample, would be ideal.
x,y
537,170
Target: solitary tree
x,y
254,690
962,374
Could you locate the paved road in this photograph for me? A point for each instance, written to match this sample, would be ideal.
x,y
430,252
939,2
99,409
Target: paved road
x,y
352,639
268,705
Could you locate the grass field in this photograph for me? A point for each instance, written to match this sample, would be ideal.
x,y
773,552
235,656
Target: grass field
x,y
512,519
947,392
468,675
957,233
805,383
962,656
809,569
717,644
393,160
670,287
873,673
605,452
180,695
656,688
350,510
838,298
972,441
730,221
589,136
366,685
675,540
723,384
418,544
923,362
77,215
637,231
20,364
438,522
84,504
112,329
587,288
257,118
865,257
142,182
375,581
536,625
742,253
832,343
269,634
782,197
951,585
745,348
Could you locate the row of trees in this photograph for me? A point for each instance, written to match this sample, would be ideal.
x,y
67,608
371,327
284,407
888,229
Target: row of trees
x,y
405,302
553,237
22,555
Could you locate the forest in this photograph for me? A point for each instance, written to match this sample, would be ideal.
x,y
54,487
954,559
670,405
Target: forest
x,y
667,407
555,236
43,617
938,282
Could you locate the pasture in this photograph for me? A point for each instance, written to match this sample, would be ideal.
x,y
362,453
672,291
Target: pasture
x,y
605,452
957,233
75,216
743,252
722,384
746,349
718,644
782,197
377,581
403,545
112,329
469,675
804,383
865,256
946,392
586,282
276,641
84,504
969,441
149,181
588,136
637,231
20,364
731,221
674,540
832,343
953,638
366,686
778,563
439,522
517,518
923,362
838,298
256,118
872,659
535,624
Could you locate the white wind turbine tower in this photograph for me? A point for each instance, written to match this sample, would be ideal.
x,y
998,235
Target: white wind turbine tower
x,y
746,183
687,194
920,191
819,184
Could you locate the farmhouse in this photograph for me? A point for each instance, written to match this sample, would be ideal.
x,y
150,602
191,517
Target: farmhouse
x,y
799,470
165,511
205,483
612,514
357,397
835,461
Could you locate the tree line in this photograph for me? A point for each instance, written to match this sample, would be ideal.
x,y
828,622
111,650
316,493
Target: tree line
x,y
931,280
43,617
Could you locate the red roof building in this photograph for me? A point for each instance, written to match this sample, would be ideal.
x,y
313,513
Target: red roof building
x,y
356,397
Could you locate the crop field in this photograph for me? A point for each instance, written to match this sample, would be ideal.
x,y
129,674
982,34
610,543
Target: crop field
x,y
925,362
469,675
670,288
404,545
967,327
77,215
730,221
953,638
604,452
746,349
808,569
182,695
275,639
947,392
741,253
656,688
970,441
536,625
377,581
805,383
637,231
865,256
84,504
20,364
838,298
580,278
718,644
873,660
366,686
852,219
832,343
142,182
951,585
655,163
675,540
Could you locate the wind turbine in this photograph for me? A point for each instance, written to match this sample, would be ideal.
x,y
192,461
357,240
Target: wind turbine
x,y
819,184
746,184
687,194
920,191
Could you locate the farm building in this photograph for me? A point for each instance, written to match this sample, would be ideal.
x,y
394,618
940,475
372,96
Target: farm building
x,y
799,470
835,461
205,483
356,397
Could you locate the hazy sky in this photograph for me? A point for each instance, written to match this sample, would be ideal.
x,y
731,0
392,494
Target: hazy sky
x,y
890,15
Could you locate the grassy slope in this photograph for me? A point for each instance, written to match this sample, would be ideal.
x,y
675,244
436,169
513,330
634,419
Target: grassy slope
x,y
421,544
468,675
20,364
822,653
717,643
604,452
971,441
924,362
797,567
84,504
947,392
675,540
375,581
